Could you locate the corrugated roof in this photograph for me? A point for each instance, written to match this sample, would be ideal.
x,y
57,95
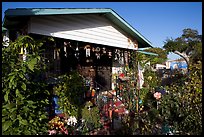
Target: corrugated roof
x,y
3,29
108,13
148,53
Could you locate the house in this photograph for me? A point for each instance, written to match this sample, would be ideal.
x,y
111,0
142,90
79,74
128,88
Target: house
x,y
176,64
98,42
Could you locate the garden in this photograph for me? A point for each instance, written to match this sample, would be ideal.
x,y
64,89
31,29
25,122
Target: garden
x,y
153,109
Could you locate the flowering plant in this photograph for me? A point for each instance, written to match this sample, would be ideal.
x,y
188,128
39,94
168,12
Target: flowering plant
x,y
157,95
62,125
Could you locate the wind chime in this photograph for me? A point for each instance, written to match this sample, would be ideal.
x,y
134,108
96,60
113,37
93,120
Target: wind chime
x,y
104,51
109,54
97,52
121,59
88,53
116,54
126,58
77,51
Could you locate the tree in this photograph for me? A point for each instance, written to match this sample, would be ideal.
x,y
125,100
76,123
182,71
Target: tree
x,y
162,55
25,94
187,46
182,106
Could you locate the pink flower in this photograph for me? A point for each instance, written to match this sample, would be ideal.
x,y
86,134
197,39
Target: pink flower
x,y
157,95
51,132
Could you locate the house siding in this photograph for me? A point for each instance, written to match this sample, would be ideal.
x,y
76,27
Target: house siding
x,y
87,28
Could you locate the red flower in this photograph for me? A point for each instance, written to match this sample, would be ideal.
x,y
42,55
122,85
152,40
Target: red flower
x,y
122,75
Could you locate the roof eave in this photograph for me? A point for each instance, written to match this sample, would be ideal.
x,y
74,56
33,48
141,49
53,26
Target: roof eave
x,y
124,25
110,14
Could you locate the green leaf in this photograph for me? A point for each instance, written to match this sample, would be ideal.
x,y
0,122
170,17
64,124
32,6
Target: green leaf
x,y
31,121
11,78
4,112
11,110
6,97
9,106
6,125
30,102
10,85
23,122
27,132
18,93
38,57
13,117
23,86
21,75
32,63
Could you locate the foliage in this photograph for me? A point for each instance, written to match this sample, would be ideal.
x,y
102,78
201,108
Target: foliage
x,y
71,93
186,43
189,45
91,117
162,55
179,110
182,107
151,78
144,121
25,96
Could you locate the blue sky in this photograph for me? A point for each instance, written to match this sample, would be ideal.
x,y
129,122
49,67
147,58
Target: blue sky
x,y
156,21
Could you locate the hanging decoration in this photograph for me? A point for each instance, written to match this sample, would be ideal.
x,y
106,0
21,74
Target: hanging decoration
x,y
121,58
136,45
97,52
132,44
116,54
109,54
126,58
65,48
24,55
88,50
77,52
104,50
129,42
77,48
93,49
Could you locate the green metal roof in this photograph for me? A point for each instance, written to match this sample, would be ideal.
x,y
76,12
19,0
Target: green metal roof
x,y
148,53
13,17
3,29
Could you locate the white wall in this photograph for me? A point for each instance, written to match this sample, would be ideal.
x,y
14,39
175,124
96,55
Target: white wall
x,y
87,27
160,66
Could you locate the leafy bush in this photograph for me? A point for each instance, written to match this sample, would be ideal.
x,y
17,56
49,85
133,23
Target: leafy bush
x,y
25,93
182,107
71,91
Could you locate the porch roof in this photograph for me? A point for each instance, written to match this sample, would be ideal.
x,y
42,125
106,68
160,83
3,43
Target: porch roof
x,y
13,17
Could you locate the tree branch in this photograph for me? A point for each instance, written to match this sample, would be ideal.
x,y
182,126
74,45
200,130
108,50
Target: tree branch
x,y
184,56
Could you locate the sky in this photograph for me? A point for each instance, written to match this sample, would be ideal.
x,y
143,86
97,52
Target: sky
x,y
156,21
